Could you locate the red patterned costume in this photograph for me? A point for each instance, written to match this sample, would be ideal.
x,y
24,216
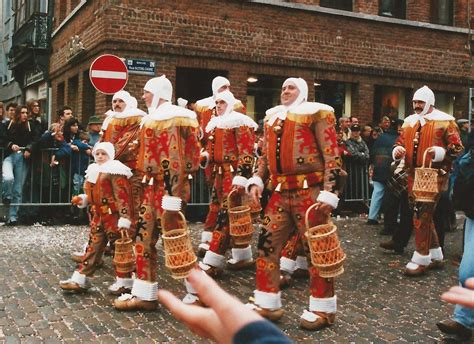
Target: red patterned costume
x,y
122,129
168,154
300,158
437,132
229,153
205,110
108,192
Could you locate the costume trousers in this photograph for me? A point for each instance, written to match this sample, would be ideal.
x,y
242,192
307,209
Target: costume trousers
x,y
285,211
423,224
221,186
425,232
103,228
137,192
220,236
294,247
148,231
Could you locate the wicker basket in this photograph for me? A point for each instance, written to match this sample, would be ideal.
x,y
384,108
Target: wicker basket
x,y
425,184
124,256
326,252
173,220
240,221
179,253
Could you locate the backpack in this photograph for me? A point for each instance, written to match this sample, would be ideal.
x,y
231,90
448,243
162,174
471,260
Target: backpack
x,y
463,183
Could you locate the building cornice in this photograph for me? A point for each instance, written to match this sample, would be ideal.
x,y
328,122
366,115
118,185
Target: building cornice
x,y
363,16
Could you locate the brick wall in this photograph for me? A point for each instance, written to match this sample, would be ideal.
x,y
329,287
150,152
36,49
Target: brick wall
x,y
248,38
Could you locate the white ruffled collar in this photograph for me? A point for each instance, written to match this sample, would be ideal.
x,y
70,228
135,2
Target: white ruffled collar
x,y
435,115
304,108
111,167
231,120
207,102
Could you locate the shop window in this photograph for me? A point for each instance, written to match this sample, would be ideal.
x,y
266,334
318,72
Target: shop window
x,y
60,96
263,93
442,12
392,8
193,84
336,94
445,102
345,5
88,98
391,102
73,89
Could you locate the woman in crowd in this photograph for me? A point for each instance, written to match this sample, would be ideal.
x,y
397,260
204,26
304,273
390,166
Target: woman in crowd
x,y
15,166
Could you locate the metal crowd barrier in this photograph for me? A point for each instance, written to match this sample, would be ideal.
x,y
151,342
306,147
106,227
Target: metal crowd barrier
x,y
53,186
357,185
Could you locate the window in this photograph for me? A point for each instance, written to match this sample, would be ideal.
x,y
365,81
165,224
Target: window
x,y
60,96
442,12
20,13
263,93
392,8
193,84
393,102
73,90
345,5
336,94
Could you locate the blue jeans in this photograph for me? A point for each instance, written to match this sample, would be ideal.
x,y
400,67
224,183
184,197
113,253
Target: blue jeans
x,y
77,184
376,200
464,315
14,172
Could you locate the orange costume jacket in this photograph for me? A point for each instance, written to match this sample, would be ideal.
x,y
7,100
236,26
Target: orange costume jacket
x,y
230,143
122,131
110,195
439,130
300,150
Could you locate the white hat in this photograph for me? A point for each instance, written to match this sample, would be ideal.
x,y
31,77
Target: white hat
x,y
124,96
229,98
161,88
133,102
426,95
302,86
218,82
105,146
182,102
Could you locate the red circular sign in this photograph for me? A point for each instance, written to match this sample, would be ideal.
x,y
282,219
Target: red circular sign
x,y
108,74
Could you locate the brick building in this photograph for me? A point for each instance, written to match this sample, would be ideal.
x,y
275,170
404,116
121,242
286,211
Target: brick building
x,y
363,57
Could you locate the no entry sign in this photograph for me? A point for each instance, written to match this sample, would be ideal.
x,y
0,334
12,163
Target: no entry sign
x,y
108,74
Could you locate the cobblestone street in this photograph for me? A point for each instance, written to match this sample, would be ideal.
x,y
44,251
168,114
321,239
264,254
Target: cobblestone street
x,y
376,303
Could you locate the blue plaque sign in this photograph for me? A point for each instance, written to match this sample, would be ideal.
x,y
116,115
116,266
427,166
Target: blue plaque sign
x,y
143,67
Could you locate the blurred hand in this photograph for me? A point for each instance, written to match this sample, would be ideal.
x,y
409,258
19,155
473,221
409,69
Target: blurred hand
x,y
76,200
323,208
54,162
255,193
26,154
75,148
460,295
399,152
220,322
